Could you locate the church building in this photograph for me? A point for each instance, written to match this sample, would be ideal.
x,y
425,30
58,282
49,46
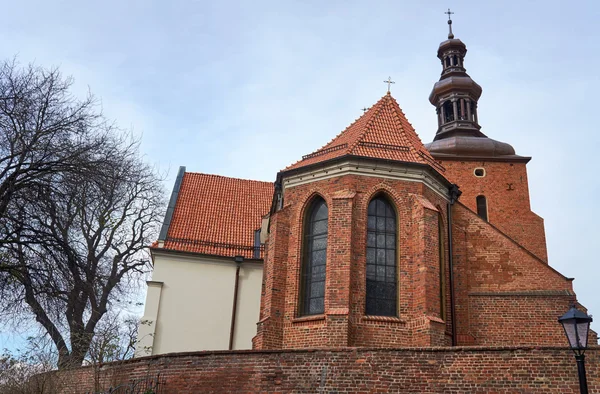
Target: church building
x,y
373,240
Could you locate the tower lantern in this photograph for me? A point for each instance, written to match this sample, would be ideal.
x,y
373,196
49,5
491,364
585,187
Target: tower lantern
x,y
455,97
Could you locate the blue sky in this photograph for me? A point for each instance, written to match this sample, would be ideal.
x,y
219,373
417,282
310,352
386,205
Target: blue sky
x,y
245,88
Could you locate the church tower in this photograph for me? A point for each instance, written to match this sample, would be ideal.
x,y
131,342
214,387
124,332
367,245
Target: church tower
x,y
491,176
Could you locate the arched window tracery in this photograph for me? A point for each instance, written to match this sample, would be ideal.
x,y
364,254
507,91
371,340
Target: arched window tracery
x,y
382,277
314,259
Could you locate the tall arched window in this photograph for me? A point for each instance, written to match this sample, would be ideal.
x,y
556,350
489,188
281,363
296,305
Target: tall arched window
x,y
442,267
482,207
312,287
382,278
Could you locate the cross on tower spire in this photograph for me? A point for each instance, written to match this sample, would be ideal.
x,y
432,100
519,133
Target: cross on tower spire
x,y
449,13
389,82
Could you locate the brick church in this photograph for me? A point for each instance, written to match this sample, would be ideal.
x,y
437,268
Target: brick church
x,y
373,240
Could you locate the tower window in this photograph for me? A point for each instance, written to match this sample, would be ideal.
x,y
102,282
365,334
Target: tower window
x,y
382,279
448,61
461,109
448,111
455,60
312,286
482,207
479,172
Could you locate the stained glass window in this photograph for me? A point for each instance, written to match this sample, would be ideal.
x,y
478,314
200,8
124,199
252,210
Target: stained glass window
x,y
382,277
312,295
442,267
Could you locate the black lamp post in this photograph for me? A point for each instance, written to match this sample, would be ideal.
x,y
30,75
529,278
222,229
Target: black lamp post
x,y
577,326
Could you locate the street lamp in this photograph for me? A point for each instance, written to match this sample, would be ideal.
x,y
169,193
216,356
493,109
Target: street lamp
x,y
577,326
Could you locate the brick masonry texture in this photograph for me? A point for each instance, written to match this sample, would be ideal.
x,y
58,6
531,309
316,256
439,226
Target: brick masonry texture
x,y
344,322
351,370
506,190
499,283
500,286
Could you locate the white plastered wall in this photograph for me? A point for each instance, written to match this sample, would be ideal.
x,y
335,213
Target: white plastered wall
x,y
192,299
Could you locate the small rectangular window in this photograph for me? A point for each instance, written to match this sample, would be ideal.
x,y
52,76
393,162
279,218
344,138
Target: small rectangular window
x,y
256,252
482,207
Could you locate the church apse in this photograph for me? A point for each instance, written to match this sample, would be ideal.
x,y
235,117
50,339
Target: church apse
x,y
382,269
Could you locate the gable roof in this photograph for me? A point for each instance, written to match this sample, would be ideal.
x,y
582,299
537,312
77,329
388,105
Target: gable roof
x,y
217,215
382,132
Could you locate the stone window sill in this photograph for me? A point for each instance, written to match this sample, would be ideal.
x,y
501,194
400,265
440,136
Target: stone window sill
x,y
387,319
310,318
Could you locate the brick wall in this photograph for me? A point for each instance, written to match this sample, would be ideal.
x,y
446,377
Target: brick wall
x,y
507,192
355,370
502,289
419,322
500,284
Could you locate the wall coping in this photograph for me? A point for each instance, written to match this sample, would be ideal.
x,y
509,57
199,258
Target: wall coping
x,y
249,352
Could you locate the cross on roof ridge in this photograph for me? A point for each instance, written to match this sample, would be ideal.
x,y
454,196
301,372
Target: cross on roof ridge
x,y
389,82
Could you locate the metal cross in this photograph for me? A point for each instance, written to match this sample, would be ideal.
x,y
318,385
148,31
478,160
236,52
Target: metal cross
x,y
449,13
389,82
450,34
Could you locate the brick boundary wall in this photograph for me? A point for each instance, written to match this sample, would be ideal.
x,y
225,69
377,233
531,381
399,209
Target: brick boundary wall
x,y
346,370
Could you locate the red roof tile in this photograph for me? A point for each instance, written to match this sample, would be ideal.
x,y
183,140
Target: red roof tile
x,y
383,132
218,215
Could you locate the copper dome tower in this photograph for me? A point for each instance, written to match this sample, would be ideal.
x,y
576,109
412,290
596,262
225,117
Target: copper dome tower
x,y
455,97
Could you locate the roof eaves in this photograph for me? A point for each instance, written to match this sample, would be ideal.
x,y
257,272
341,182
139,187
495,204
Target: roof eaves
x,y
508,158
156,250
333,160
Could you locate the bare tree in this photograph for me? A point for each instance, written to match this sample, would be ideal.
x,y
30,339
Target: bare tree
x,y
23,371
115,339
43,128
76,240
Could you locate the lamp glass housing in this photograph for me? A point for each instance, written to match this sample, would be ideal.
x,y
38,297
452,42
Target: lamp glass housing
x,y
577,327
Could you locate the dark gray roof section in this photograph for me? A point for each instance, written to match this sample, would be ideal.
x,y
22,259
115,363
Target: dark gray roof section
x,y
169,215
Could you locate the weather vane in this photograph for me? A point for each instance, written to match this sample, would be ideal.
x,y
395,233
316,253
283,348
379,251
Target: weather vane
x,y
449,13
389,82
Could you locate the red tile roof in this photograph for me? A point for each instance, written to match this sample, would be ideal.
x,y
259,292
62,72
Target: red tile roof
x,y
383,132
217,215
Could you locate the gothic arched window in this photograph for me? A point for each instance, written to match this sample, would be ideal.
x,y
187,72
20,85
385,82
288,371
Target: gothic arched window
x,y
442,267
382,278
312,287
482,207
